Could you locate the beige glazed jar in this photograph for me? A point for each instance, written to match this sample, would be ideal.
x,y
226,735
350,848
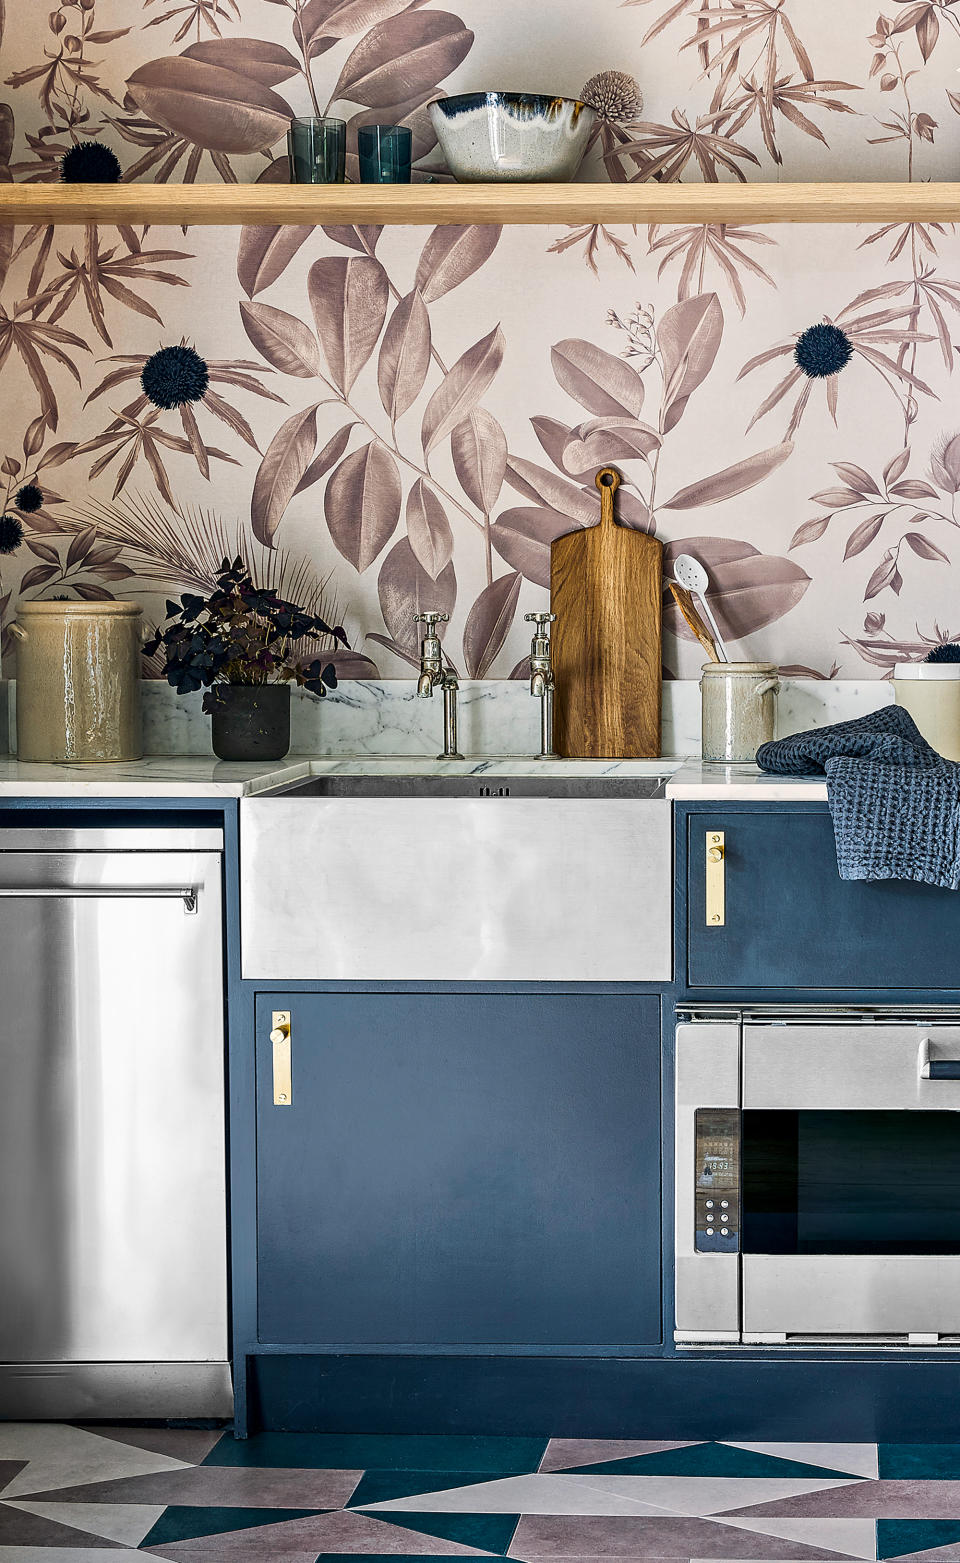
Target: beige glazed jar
x,y
78,681
738,705
930,691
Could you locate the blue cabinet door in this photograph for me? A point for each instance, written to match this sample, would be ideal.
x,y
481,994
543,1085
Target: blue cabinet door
x,y
461,1169
792,922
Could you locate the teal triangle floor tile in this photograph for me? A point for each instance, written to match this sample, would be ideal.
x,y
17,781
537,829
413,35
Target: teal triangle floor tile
x,y
186,1524
916,1461
705,1460
898,1538
382,1452
382,1486
486,1532
303,1541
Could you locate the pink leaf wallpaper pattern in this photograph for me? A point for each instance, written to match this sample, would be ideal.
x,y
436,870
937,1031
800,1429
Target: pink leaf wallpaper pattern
x,y
388,420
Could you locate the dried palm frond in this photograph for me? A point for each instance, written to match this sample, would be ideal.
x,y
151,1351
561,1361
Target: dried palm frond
x,y
181,546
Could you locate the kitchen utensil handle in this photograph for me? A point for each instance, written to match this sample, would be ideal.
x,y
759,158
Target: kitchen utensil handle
x,y
684,602
188,895
936,1068
607,481
716,629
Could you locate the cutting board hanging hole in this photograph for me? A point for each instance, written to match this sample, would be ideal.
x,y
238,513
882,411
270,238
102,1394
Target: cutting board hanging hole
x,y
607,481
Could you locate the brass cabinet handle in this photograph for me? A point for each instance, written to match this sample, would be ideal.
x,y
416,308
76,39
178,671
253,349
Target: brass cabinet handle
x,y
282,1068
716,910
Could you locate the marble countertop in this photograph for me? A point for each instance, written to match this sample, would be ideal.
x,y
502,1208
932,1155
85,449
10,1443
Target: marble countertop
x,y
193,776
742,784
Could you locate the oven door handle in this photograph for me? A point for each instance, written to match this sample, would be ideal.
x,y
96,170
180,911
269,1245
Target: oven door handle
x,y
936,1068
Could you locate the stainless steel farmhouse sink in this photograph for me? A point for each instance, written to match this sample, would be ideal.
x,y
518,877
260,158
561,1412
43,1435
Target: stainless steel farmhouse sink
x,y
458,877
477,785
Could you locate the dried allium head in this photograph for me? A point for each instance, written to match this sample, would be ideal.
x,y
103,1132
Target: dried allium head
x,y
614,95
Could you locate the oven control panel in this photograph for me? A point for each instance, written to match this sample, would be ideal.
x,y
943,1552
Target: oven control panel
x,y
717,1180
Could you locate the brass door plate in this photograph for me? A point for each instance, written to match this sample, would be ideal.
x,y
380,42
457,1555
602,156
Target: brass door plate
x,y
716,858
282,1067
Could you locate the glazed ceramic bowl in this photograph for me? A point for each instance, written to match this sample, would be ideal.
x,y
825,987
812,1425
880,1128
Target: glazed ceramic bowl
x,y
511,135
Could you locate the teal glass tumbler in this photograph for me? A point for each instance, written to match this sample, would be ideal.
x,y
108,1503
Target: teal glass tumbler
x,y
385,153
318,151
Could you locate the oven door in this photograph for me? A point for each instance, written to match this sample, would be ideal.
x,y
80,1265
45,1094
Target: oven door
x,y
850,1181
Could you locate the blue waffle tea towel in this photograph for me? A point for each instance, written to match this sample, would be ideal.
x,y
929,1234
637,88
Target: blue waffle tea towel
x,y
894,801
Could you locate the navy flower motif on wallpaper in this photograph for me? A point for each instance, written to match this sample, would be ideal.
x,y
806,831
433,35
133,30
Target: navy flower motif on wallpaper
x,y
383,421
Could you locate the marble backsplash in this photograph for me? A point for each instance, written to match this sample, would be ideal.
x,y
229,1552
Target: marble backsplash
x,y
497,716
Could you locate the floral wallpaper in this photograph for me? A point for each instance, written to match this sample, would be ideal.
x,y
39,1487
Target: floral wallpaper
x,y
383,421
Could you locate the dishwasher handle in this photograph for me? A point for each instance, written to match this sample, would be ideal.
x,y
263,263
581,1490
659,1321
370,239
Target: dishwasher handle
x,y
189,895
936,1068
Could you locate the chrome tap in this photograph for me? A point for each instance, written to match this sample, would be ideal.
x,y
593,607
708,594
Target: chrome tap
x,y
433,672
541,678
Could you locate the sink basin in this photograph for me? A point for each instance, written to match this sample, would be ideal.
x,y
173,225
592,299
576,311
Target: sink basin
x,y
473,786
425,878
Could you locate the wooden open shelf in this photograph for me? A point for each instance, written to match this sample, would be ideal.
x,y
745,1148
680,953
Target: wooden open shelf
x,y
557,204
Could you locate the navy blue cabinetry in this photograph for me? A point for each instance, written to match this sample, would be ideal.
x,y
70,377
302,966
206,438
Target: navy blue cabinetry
x,y
473,1170
792,923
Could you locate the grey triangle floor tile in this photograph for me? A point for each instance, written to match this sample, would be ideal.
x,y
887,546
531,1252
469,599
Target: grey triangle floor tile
x,y
564,1453
192,1444
20,1529
8,1470
224,1486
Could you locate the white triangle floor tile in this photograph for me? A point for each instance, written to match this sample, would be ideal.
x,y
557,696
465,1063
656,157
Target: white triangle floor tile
x,y
126,1522
858,1459
852,1538
60,1456
708,1495
547,1493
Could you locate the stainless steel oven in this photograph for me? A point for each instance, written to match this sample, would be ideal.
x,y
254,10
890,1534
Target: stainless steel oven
x,y
818,1178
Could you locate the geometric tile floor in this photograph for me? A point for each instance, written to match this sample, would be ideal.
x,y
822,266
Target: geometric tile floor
x,y
99,1495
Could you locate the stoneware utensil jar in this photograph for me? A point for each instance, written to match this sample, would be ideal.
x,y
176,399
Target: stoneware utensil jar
x,y
738,703
930,691
78,681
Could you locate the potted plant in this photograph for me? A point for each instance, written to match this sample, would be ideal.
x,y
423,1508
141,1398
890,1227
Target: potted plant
x,y
237,645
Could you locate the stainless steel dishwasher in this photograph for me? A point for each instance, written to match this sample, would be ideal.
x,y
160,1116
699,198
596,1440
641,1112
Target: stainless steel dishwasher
x,y
113,1256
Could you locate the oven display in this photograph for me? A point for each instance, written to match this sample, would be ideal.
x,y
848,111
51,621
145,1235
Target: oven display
x,y
717,1180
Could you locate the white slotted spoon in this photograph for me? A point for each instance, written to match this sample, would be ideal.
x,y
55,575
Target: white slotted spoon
x,y
691,574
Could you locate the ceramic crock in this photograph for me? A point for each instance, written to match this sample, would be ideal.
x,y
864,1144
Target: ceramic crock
x,y
738,703
930,691
78,681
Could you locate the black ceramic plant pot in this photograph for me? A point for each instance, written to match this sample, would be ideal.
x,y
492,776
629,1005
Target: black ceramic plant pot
x,y
251,721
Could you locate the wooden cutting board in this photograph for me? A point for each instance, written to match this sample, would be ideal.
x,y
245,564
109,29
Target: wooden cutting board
x,y
605,588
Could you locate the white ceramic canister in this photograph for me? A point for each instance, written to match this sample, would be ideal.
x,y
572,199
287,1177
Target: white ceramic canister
x,y
738,705
78,681
930,691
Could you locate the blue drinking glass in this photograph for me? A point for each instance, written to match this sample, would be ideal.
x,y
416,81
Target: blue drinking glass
x,y
385,154
318,151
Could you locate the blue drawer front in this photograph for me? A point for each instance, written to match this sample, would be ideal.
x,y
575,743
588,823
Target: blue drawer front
x,y
792,922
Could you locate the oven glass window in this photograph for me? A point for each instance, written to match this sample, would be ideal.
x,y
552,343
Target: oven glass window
x,y
850,1182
